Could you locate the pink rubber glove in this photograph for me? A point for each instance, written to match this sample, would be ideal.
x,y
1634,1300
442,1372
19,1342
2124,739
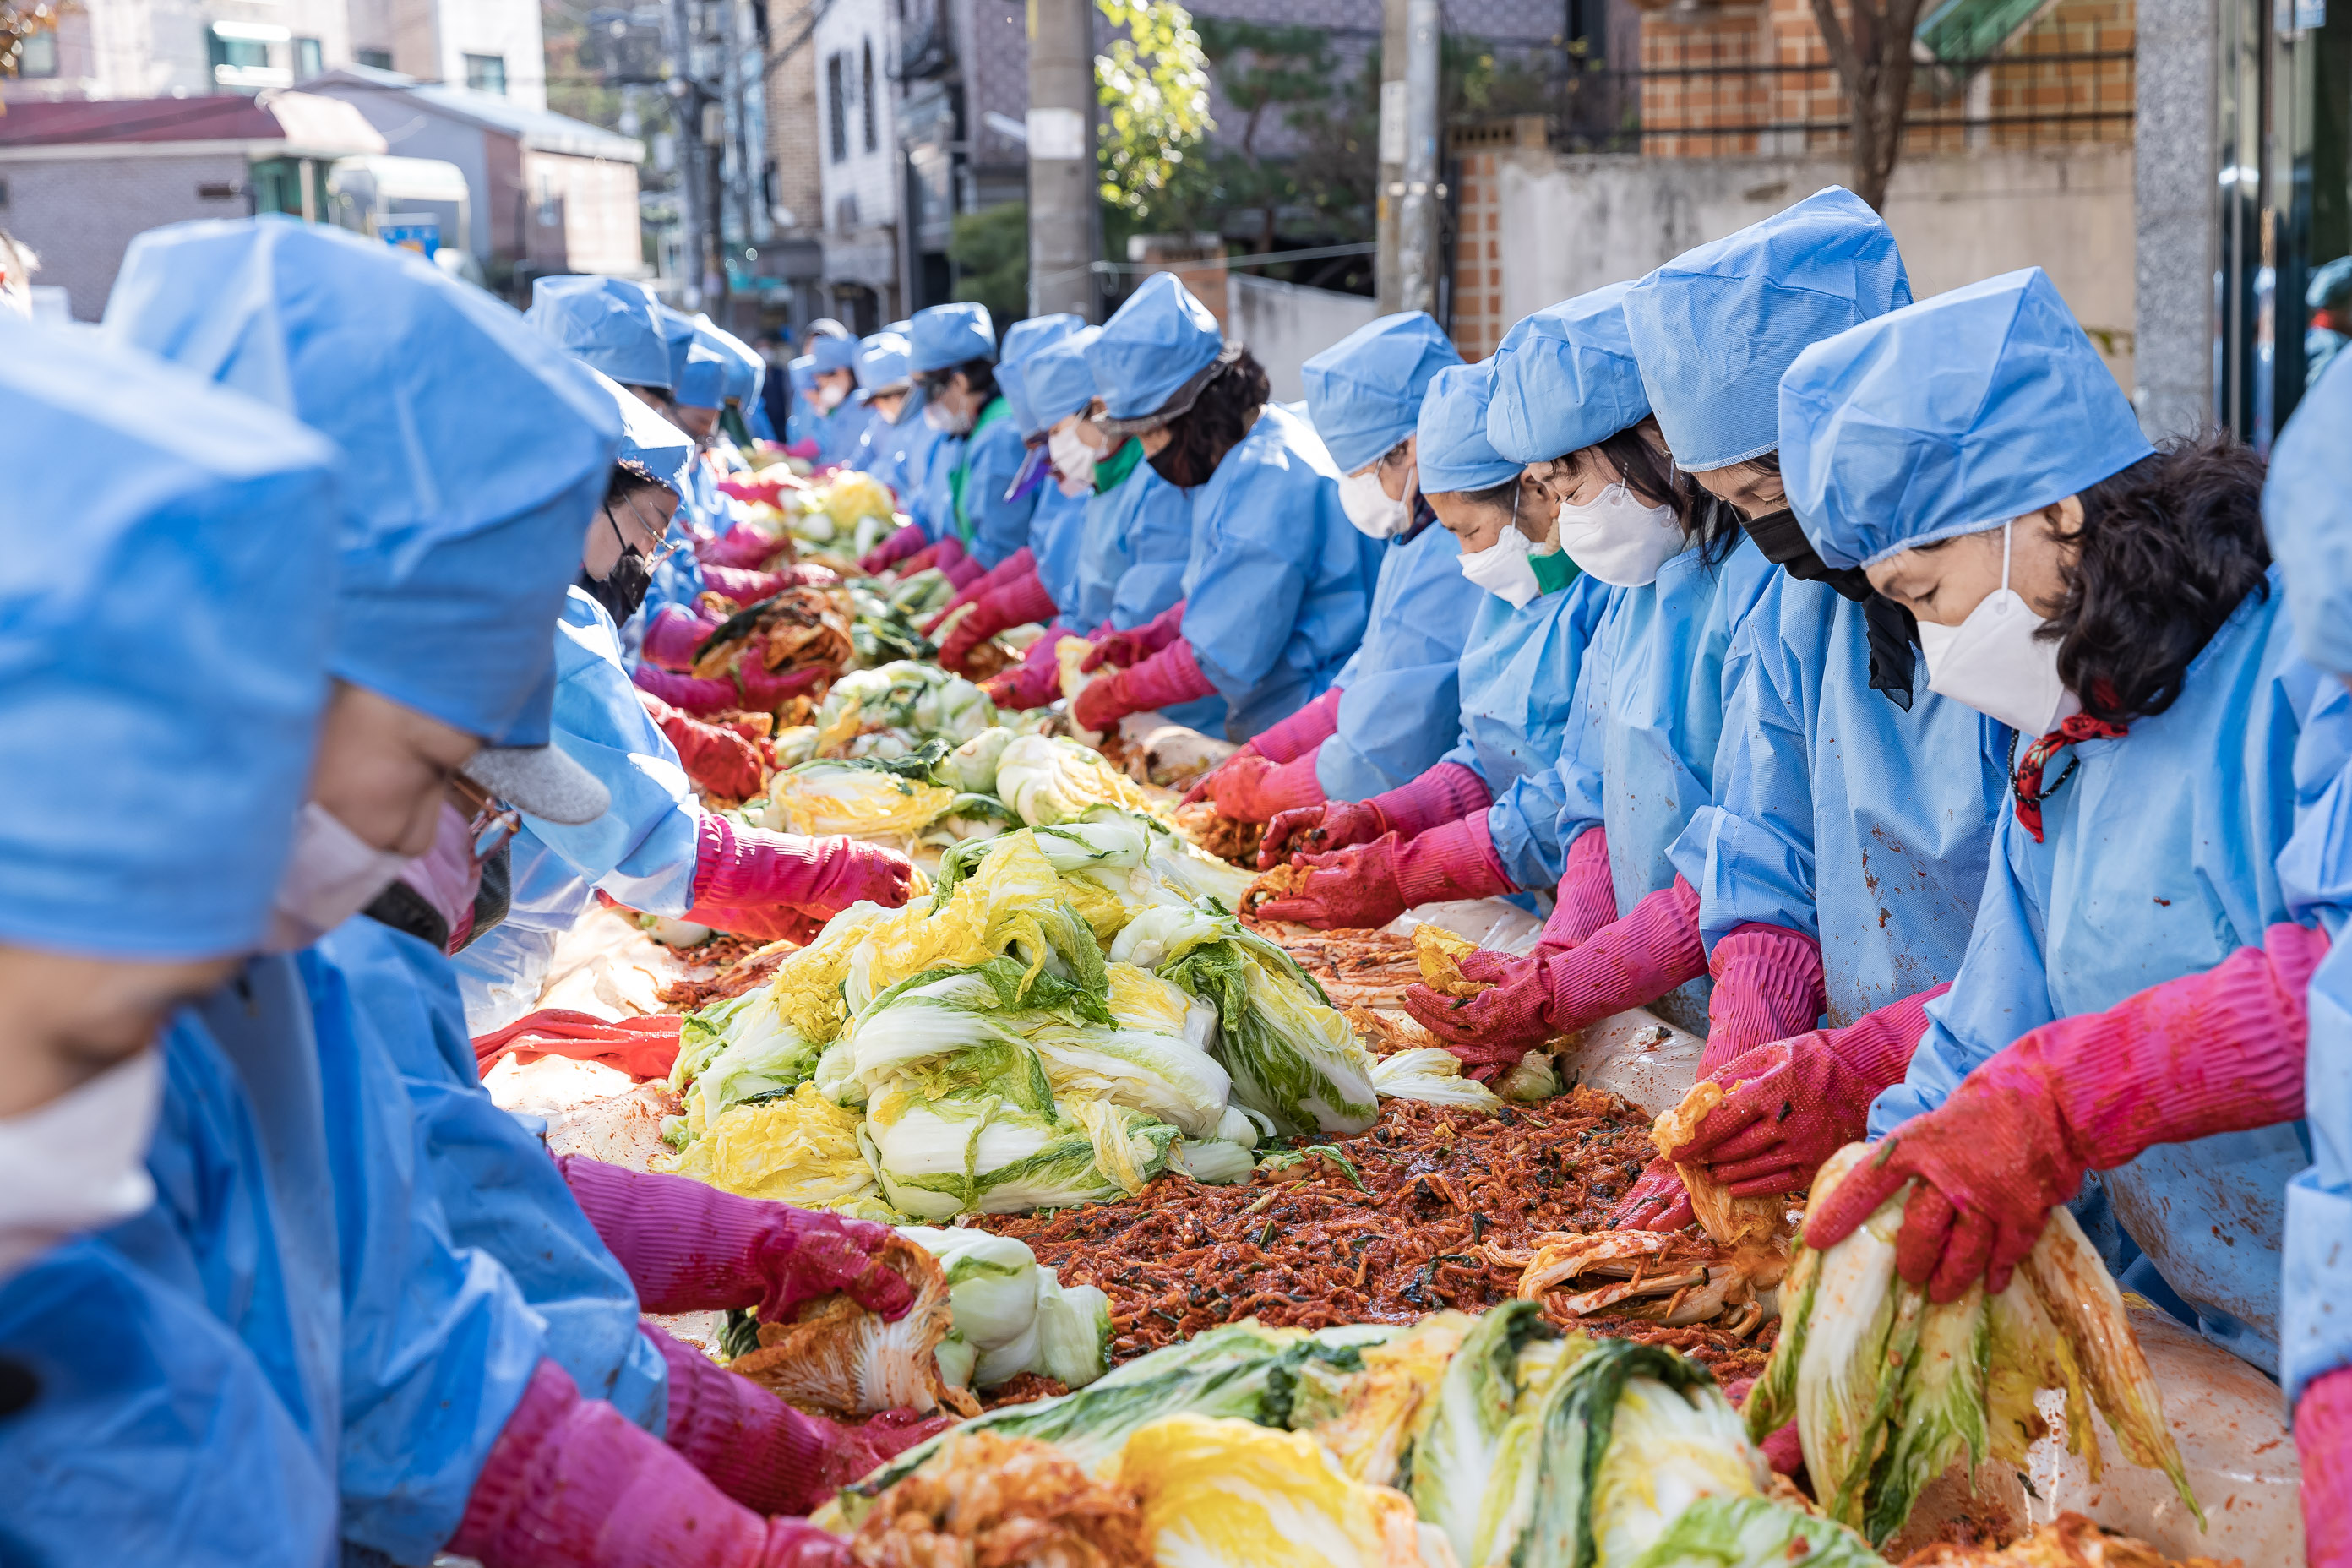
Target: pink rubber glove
x,y
742,546
1137,643
1013,604
763,692
752,689
1768,987
961,573
1036,681
1623,965
1790,1105
1283,740
761,1451
1372,884
2221,1051
1255,790
673,635
1018,565
1446,793
750,588
689,1247
738,867
2323,1448
1586,899
573,1483
1168,677
909,539
722,761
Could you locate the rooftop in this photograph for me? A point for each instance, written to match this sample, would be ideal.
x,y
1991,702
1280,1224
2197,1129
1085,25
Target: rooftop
x,y
302,123
540,129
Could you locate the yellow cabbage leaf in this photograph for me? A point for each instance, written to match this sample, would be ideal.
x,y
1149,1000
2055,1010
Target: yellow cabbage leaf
x,y
799,1148
1218,1492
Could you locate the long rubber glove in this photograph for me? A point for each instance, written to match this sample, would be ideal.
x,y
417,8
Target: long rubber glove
x,y
1372,884
1253,789
1020,563
1623,965
1446,793
1789,1106
573,1483
1283,740
2221,1051
948,555
1014,604
740,868
2323,1448
689,1247
1168,677
742,546
723,760
1586,899
1768,987
761,1451
1137,643
909,539
750,587
749,688
673,635
1036,681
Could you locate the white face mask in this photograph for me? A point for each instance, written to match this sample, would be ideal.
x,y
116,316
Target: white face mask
x,y
1504,570
79,1162
828,398
937,417
1993,662
1371,508
333,875
1073,462
1616,539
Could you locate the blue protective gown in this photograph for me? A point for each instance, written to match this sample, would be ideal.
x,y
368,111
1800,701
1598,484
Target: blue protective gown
x,y
642,851
1840,817
1057,538
2317,873
899,451
2160,859
837,433
1400,703
1519,685
1138,541
1279,584
491,1172
935,503
991,526
153,1438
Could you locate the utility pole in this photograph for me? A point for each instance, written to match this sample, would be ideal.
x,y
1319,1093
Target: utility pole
x,y
1387,272
685,118
1061,201
1417,216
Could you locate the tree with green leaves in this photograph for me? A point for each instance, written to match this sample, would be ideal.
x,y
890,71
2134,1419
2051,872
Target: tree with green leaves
x,y
1260,66
1153,86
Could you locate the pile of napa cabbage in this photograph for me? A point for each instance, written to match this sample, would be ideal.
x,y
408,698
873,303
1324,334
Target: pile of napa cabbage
x,y
1493,1442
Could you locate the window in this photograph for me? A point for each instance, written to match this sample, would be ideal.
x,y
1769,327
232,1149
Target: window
x,y
38,56
836,107
487,73
375,59
866,95
240,53
306,58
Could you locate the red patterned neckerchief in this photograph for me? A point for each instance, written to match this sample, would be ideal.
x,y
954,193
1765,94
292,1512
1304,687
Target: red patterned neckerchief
x,y
2025,776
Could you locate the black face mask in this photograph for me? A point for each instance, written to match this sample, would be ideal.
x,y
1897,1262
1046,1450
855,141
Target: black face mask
x,y
625,587
1893,630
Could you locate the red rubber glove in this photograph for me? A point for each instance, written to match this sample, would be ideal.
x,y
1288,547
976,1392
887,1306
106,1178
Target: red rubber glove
x,y
1623,965
1446,793
1768,987
2220,1051
751,687
723,760
2323,1448
1137,643
1586,899
1036,681
1790,1105
761,1451
1372,884
1288,740
1255,790
1168,677
573,1483
749,588
689,1247
909,539
1020,563
743,546
1013,604
673,635
763,692
738,867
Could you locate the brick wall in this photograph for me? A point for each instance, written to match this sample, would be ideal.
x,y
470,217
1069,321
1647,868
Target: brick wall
x,y
80,214
796,143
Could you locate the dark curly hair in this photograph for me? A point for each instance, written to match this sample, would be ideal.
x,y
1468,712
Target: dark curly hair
x,y
2167,550
630,476
1200,438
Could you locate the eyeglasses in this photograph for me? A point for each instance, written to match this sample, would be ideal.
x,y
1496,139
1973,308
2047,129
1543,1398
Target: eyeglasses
x,y
494,821
664,546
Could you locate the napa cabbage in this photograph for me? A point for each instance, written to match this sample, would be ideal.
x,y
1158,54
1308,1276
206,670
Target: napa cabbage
x,y
1073,1331
743,1046
1047,780
1732,1532
854,798
1215,1492
1294,1059
797,1148
1431,1075
971,768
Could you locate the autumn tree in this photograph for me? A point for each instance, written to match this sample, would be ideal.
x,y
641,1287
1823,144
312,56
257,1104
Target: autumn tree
x,y
1870,47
